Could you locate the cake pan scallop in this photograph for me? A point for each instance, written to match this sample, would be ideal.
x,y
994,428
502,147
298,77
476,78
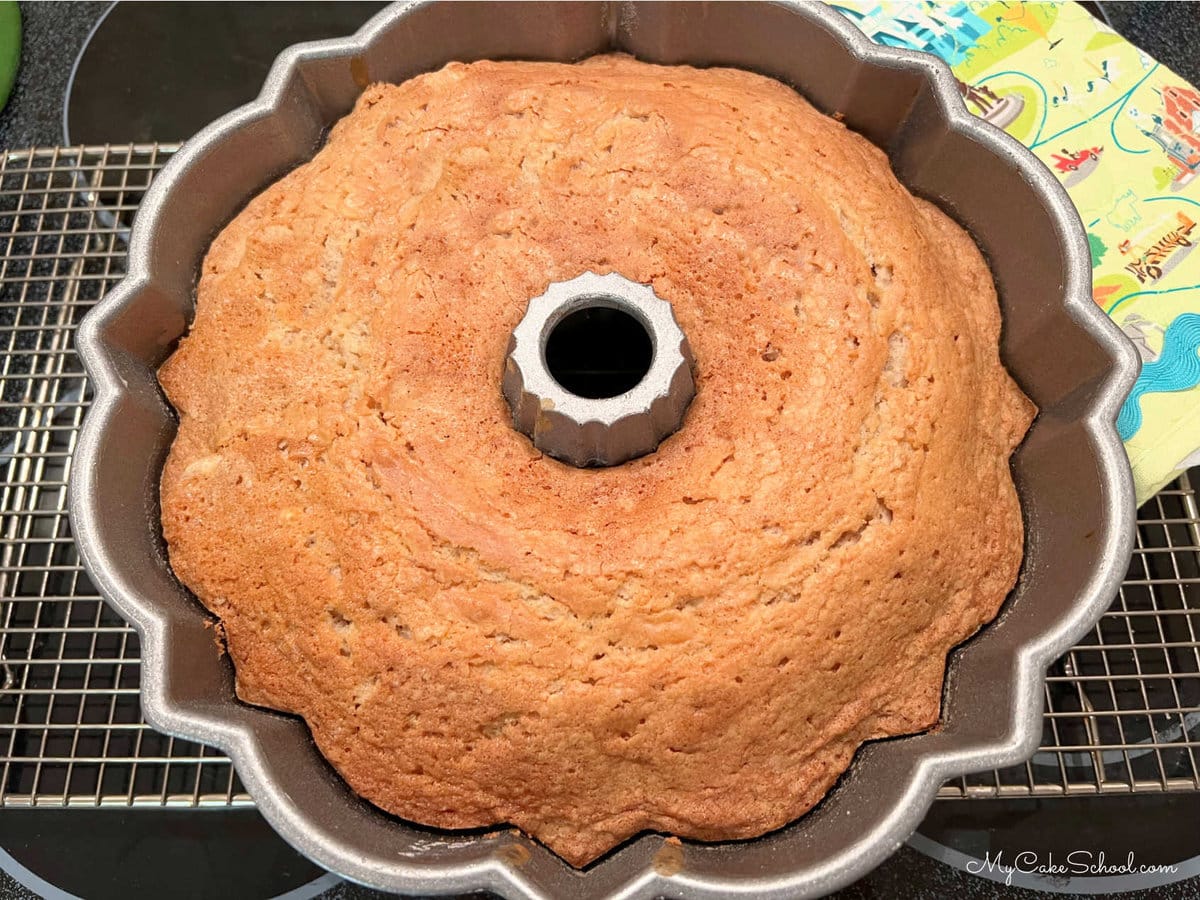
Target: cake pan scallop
x,y
1071,472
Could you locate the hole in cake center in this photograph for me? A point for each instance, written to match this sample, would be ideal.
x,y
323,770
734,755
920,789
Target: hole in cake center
x,y
599,352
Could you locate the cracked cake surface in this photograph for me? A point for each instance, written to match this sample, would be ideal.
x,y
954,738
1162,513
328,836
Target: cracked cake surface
x,y
693,642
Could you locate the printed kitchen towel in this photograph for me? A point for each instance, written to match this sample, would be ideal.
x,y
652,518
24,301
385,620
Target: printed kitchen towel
x,y
1122,133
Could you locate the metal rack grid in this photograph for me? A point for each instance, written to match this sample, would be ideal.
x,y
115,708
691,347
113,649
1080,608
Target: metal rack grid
x,y
71,731
1123,707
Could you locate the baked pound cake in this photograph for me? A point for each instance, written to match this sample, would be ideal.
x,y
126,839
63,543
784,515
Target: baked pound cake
x,y
693,642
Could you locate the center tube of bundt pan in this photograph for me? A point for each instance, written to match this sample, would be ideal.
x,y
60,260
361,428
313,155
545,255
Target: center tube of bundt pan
x,y
598,371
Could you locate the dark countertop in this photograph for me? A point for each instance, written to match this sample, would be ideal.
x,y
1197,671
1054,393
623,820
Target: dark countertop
x,y
53,36
1170,32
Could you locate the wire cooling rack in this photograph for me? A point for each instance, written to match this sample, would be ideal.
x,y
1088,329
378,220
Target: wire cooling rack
x,y
71,731
1123,707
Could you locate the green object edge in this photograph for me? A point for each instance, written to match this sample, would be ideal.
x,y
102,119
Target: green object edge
x,y
10,47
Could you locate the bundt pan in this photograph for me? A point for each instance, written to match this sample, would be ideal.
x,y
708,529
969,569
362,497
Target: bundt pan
x,y
1071,472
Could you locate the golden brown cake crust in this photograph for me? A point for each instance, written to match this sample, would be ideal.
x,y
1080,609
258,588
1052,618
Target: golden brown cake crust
x,y
696,641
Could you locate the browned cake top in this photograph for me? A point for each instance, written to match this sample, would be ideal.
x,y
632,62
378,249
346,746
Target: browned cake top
x,y
695,641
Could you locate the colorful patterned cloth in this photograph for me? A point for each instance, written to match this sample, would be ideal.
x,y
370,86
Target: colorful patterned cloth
x,y
1122,133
